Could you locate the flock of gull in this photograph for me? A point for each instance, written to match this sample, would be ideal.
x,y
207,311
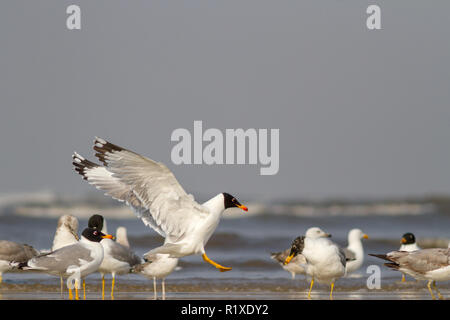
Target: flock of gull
x,y
151,190
316,256
94,251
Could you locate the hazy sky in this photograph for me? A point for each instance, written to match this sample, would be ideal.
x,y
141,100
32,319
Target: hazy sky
x,y
360,113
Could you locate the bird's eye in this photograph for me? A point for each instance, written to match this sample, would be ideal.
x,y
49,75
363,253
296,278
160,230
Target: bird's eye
x,y
95,233
234,199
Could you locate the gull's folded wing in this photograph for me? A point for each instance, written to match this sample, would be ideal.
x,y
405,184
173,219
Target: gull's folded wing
x,y
422,261
349,254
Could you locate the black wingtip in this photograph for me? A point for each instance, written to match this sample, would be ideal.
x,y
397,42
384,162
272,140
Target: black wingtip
x,y
81,164
392,265
381,256
103,147
21,265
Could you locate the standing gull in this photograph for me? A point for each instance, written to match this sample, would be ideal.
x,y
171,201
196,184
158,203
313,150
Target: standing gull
x,y
325,260
354,253
77,260
158,266
425,264
297,264
66,234
13,252
156,197
408,244
117,259
121,236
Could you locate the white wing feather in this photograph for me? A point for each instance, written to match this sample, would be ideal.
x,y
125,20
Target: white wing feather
x,y
150,188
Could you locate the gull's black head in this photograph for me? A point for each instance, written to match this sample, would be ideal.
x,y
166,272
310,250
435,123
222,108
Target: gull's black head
x,y
96,222
297,247
408,238
230,202
95,235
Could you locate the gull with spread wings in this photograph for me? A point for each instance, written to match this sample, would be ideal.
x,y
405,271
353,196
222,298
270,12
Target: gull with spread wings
x,y
155,195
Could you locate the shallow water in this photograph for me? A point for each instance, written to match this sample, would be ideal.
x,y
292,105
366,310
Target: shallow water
x,y
244,244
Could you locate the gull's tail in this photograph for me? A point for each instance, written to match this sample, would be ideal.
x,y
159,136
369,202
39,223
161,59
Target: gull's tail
x,y
381,256
169,248
19,265
278,256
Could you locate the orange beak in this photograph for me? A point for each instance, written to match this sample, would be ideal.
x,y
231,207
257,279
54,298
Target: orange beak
x,y
365,236
108,236
240,206
403,240
288,259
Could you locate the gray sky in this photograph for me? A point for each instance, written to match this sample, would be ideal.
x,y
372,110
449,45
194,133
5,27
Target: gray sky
x,y
360,113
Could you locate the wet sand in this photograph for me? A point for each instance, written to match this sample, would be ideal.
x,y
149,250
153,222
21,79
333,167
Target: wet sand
x,y
223,290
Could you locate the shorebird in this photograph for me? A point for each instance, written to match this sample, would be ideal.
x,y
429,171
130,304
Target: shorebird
x,y
297,264
424,264
158,266
66,232
121,236
77,260
354,253
13,252
408,244
155,195
117,259
325,260
65,235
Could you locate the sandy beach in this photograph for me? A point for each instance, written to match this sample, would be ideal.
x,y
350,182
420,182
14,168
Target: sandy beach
x,y
131,288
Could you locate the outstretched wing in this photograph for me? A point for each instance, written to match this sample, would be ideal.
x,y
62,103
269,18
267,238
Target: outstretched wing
x,y
149,187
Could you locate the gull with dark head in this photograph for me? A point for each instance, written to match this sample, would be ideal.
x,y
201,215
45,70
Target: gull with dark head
x,y
77,260
408,244
424,264
155,195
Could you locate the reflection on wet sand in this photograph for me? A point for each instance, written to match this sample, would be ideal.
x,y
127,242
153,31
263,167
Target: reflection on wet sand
x,y
206,290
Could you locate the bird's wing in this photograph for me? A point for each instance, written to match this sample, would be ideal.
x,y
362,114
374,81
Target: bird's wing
x,y
122,253
280,256
12,251
422,261
30,252
150,188
342,256
349,254
103,179
59,260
